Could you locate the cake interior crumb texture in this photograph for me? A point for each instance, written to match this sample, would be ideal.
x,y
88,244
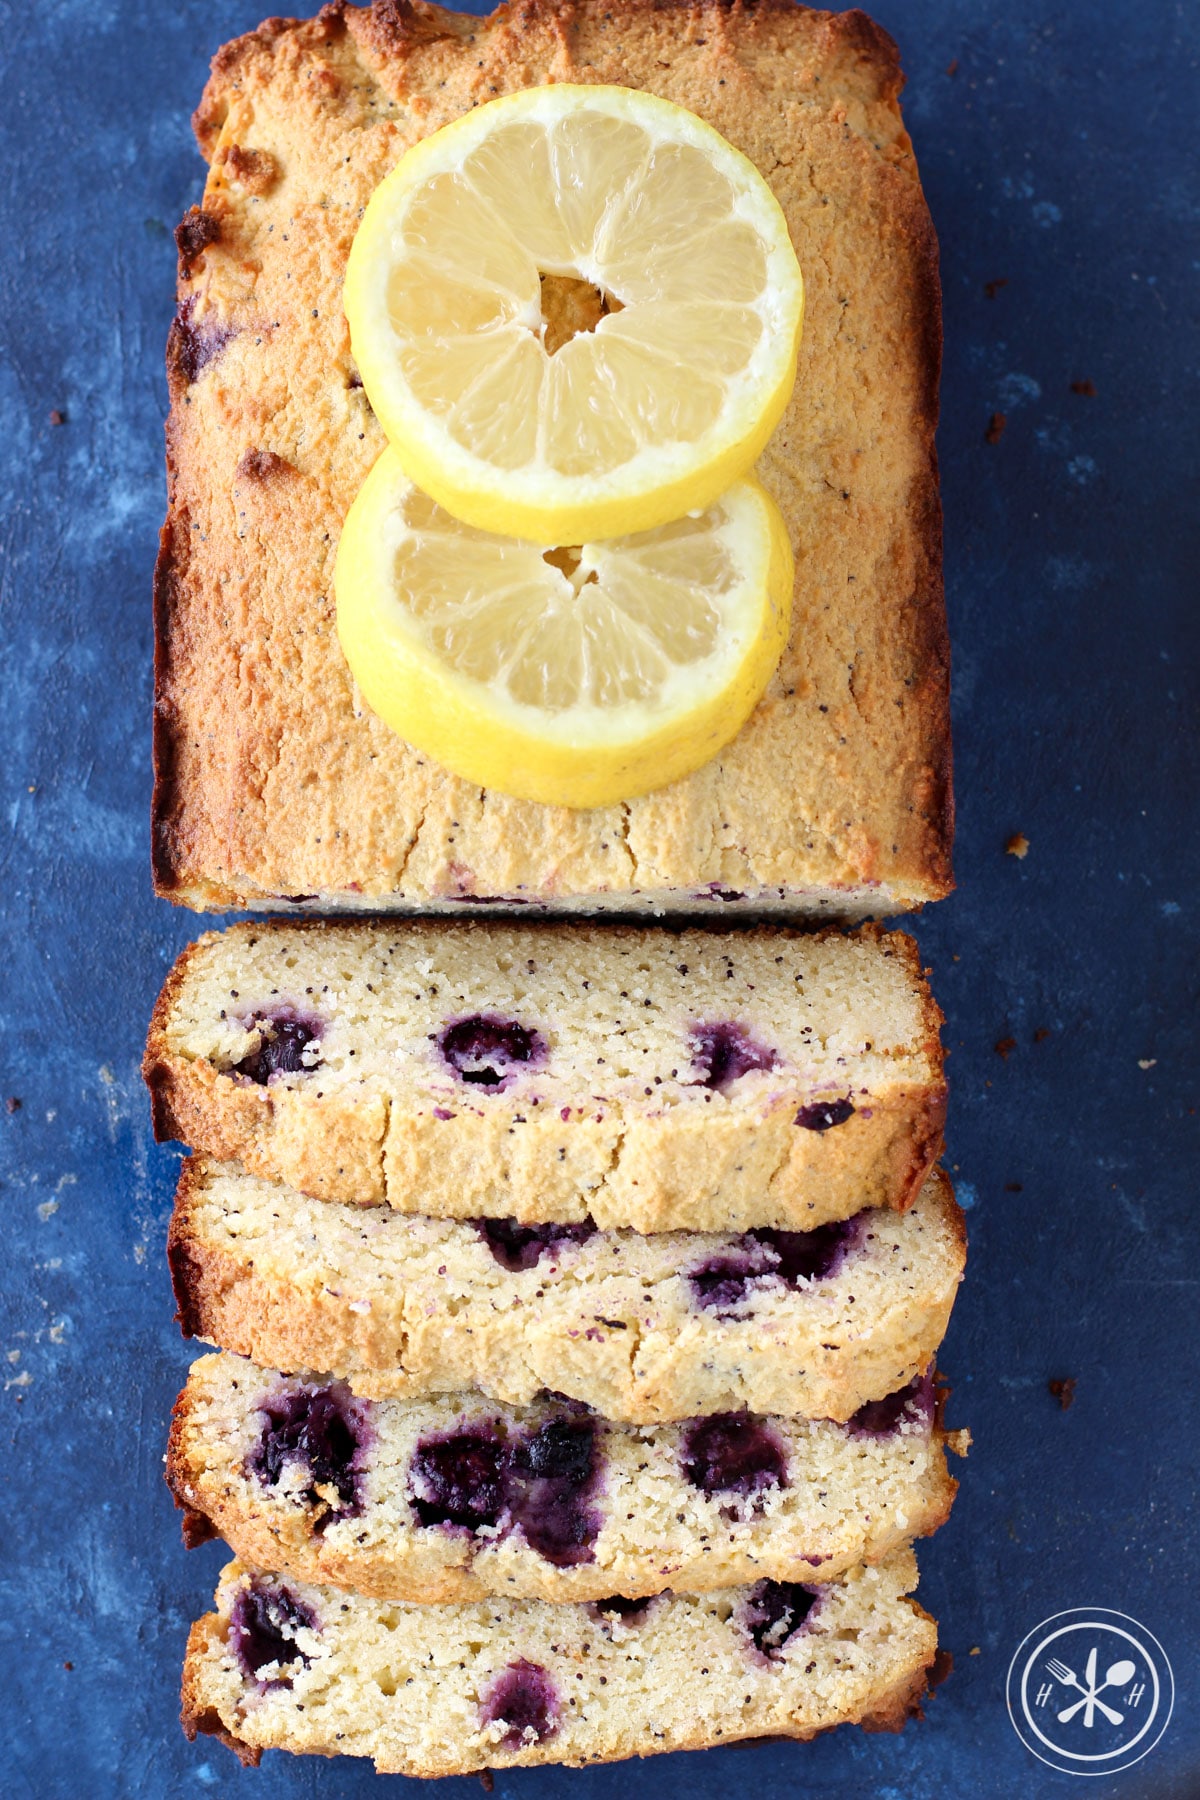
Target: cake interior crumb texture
x,y
275,786
447,1690
605,1074
433,1500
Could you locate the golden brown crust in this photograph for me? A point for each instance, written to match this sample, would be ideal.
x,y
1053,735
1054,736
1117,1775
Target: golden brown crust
x,y
906,1700
269,782
196,1716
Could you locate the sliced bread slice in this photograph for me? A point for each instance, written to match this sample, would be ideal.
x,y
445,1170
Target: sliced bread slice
x,y
456,1498
640,1328
451,1689
651,1079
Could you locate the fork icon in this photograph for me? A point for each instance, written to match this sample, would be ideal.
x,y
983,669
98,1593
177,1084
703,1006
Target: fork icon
x,y
1120,1671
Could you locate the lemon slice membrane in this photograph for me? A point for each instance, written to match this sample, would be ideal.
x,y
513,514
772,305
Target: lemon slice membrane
x,y
575,311
577,676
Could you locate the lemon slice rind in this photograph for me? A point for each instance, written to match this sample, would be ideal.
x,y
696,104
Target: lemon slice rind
x,y
455,662
504,482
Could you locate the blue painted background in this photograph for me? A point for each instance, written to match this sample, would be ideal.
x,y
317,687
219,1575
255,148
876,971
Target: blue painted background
x,y
1059,158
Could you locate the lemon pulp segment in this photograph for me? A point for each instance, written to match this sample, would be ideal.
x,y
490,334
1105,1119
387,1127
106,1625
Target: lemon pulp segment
x,y
573,675
576,313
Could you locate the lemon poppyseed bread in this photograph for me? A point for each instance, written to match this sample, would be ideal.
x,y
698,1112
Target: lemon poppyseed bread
x,y
640,1328
454,1499
274,783
448,1690
638,1078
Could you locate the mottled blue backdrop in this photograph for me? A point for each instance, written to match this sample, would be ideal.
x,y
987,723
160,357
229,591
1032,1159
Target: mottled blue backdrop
x,y
1058,148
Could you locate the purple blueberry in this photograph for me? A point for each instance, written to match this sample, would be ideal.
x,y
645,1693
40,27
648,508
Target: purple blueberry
x,y
460,1480
517,1247
630,1612
324,1429
731,1453
721,1284
554,1472
823,1115
284,1037
723,1053
523,1699
908,1404
775,1611
724,1282
488,1051
539,1482
191,347
263,1624
809,1255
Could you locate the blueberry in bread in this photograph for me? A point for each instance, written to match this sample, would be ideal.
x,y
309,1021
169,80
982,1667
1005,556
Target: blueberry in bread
x,y
639,1328
700,1080
447,1690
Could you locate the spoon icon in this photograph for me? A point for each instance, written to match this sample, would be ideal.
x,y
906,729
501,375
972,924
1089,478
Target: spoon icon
x,y
1116,1675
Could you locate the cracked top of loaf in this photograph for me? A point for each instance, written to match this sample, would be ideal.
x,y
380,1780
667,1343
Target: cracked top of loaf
x,y
274,783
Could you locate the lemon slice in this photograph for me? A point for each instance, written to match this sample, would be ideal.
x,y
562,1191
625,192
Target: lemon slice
x,y
575,676
575,312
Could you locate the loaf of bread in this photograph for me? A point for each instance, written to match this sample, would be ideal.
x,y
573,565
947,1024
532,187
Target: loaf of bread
x,y
275,785
450,1689
640,1328
456,1498
635,1078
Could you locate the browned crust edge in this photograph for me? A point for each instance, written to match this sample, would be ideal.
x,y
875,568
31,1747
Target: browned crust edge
x,y
192,1277
196,1527
389,29
194,1715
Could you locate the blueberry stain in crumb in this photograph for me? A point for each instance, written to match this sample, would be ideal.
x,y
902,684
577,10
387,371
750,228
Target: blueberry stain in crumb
x,y
731,1453
766,1256
619,1606
191,346
524,1700
517,1247
263,1625
322,1429
823,1115
460,1480
538,1482
284,1038
878,1418
775,1611
488,1051
724,1281
554,1473
722,1053
810,1255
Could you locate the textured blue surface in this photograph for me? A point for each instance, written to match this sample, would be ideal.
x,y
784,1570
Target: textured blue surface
x,y
1059,158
